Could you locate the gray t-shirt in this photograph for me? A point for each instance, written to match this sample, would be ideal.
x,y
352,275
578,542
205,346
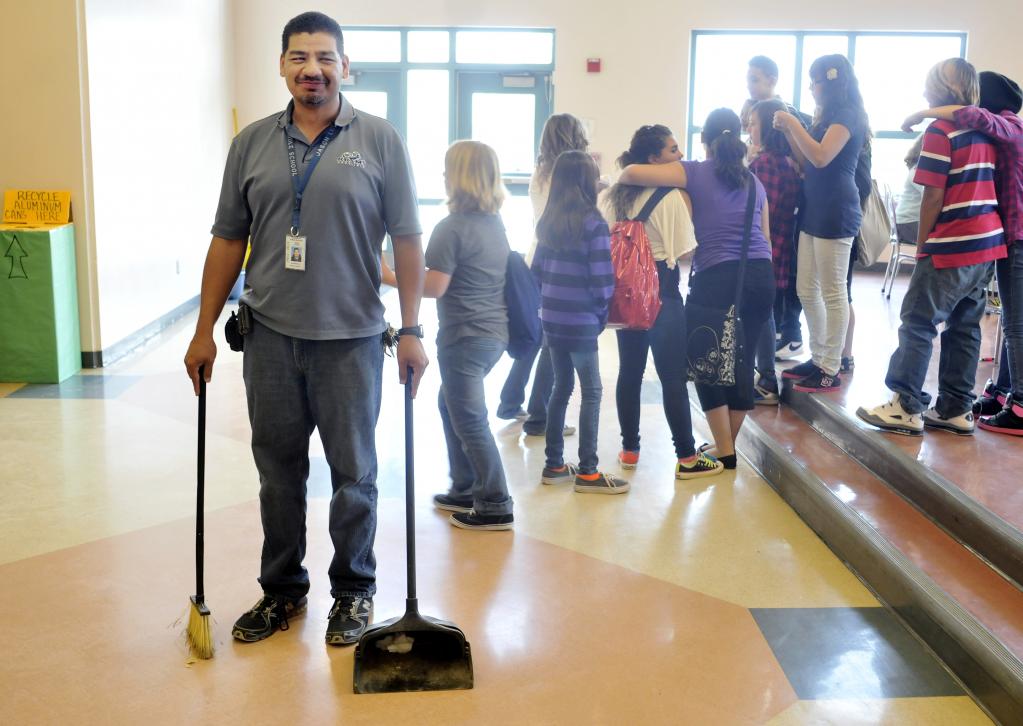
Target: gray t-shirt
x,y
473,249
361,190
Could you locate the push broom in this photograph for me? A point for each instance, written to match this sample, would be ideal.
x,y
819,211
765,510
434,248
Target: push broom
x,y
200,632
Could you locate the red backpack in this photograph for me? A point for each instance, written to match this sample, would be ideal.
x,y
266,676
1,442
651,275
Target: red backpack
x,y
637,297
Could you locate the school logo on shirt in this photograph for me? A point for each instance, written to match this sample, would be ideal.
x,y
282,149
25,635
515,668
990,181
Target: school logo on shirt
x,y
351,158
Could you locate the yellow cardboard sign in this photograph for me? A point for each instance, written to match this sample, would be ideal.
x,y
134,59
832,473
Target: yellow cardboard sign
x,y
36,208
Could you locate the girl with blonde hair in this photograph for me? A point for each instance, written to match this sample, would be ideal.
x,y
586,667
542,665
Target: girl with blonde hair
x,y
466,260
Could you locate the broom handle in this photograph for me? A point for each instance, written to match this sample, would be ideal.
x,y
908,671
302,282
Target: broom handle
x,y
200,485
410,493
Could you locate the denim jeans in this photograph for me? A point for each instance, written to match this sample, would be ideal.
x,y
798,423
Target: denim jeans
x,y
787,310
956,297
766,348
543,384
293,386
1010,290
566,364
667,340
513,393
473,460
822,269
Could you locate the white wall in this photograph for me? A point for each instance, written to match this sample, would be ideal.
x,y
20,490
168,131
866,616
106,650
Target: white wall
x,y
645,49
161,88
43,127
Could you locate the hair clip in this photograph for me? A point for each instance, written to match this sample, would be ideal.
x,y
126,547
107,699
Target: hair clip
x,y
832,74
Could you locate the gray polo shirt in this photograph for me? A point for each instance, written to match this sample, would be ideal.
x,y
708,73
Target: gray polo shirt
x,y
361,190
473,249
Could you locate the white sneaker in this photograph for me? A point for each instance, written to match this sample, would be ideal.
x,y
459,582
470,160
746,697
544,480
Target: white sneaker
x,y
789,351
962,424
891,416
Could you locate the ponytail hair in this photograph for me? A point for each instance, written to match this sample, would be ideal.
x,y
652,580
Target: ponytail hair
x,y
646,142
725,147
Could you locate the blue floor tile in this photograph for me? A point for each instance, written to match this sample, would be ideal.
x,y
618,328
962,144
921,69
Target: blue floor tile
x,y
95,387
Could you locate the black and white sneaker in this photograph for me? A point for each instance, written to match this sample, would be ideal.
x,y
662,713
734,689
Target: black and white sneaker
x,y
348,618
788,351
800,371
818,382
452,504
963,424
1007,421
891,416
485,522
266,617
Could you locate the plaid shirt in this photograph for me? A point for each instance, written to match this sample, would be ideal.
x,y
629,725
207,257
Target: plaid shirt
x,y
1006,131
782,183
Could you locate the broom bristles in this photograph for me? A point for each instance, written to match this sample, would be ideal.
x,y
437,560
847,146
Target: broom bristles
x,y
200,630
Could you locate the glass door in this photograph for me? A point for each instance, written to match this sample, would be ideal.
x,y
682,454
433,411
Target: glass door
x,y
507,111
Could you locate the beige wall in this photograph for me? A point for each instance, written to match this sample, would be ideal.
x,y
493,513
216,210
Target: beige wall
x,y
160,85
645,51
43,126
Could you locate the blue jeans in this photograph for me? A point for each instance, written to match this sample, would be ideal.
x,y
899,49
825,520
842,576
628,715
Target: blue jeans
x,y
566,364
1010,290
667,340
293,386
766,348
473,459
543,384
956,297
513,393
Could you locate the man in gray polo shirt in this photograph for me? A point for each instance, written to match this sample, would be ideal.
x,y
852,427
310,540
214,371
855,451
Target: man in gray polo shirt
x,y
314,354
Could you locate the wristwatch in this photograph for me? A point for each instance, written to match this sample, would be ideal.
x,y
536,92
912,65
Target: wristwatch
x,y
416,330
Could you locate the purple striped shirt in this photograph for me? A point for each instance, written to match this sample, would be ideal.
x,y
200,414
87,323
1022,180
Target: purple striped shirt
x,y
576,285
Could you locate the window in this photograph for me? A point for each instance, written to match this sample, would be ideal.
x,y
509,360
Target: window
x,y
436,85
890,67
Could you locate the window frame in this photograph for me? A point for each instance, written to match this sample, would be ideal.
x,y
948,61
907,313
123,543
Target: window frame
x,y
693,128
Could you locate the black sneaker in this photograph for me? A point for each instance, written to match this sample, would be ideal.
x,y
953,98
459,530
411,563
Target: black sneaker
x,y
801,371
986,406
491,522
1007,421
266,617
348,618
848,363
452,504
818,382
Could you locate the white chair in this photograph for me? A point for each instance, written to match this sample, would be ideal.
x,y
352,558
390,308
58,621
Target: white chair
x,y
897,256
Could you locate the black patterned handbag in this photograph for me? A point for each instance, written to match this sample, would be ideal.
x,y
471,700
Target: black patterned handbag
x,y
714,335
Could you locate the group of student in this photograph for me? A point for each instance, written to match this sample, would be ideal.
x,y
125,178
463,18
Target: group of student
x,y
806,178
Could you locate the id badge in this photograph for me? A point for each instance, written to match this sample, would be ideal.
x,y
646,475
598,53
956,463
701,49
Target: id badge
x,y
294,252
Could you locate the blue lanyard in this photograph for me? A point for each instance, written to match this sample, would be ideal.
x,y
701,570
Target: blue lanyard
x,y
299,185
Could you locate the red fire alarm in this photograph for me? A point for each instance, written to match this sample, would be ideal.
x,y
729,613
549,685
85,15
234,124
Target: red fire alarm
x,y
593,65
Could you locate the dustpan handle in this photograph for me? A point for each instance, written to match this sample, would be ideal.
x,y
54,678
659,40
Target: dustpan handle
x,y
410,496
200,477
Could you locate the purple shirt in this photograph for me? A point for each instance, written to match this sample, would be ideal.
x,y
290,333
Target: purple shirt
x,y
719,214
1006,131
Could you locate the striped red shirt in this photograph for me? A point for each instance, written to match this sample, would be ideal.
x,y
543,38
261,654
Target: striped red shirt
x,y
962,162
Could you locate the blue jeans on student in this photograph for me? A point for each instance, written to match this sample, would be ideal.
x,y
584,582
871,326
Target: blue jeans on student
x,y
766,348
566,364
1010,290
473,459
667,340
956,297
293,386
539,397
513,392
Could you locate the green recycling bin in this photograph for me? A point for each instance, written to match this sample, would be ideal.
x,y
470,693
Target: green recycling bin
x,y
39,337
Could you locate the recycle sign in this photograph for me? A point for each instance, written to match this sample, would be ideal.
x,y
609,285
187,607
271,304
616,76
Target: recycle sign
x,y
16,252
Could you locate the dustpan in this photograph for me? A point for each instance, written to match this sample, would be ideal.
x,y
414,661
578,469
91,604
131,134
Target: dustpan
x,y
413,652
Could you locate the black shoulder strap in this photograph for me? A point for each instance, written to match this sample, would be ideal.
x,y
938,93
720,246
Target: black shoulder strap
x,y
653,201
747,231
